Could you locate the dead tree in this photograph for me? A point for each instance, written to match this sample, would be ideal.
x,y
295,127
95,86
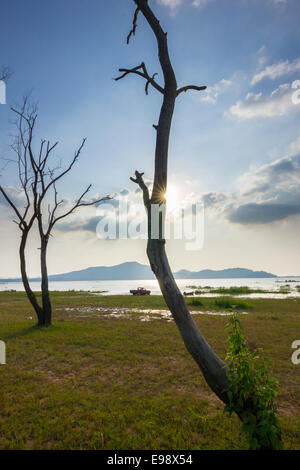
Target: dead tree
x,y
37,181
212,367
210,364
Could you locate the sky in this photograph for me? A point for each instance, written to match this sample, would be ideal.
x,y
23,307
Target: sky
x,y
235,148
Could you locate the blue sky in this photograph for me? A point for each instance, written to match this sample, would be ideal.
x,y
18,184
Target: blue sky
x,y
239,141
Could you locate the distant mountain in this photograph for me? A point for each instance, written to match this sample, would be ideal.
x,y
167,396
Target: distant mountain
x,y
124,271
231,273
137,271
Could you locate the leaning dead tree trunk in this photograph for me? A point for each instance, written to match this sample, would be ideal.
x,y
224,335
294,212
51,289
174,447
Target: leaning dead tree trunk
x,y
37,179
210,364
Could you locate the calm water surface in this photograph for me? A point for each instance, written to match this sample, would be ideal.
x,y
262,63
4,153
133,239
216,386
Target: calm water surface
x,y
123,287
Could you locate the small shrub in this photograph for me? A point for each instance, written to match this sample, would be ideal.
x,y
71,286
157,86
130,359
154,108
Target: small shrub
x,y
231,304
286,289
195,302
223,302
252,391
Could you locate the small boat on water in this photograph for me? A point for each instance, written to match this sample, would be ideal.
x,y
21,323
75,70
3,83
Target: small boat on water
x,y
140,291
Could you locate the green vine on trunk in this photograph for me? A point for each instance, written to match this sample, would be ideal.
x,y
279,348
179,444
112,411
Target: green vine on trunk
x,y
252,391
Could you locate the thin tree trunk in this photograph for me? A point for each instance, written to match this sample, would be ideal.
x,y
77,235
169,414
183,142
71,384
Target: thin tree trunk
x,y
47,309
29,292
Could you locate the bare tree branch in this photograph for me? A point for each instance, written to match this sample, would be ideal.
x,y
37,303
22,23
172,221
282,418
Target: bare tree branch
x,y
190,87
134,25
5,73
22,222
140,181
141,70
63,173
77,204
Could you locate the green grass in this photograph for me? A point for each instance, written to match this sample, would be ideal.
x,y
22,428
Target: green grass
x,y
243,290
104,383
225,303
195,302
239,290
232,304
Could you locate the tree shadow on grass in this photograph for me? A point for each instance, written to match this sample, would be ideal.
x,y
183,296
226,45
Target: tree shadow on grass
x,y
24,332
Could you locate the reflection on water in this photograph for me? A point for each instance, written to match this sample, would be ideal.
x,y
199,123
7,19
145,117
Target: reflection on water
x,y
141,314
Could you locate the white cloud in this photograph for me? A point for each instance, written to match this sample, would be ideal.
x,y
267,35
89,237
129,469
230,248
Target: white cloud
x,y
16,195
261,55
295,147
174,4
278,103
200,3
268,194
282,174
277,70
212,93
170,3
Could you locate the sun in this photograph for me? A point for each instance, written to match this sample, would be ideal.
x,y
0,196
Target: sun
x,y
171,196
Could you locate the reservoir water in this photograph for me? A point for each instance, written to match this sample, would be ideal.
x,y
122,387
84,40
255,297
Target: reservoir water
x,y
123,287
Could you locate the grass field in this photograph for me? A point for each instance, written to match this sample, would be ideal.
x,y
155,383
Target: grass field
x,y
99,382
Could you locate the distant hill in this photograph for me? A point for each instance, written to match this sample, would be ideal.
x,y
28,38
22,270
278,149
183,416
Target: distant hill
x,y
137,271
231,273
124,271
